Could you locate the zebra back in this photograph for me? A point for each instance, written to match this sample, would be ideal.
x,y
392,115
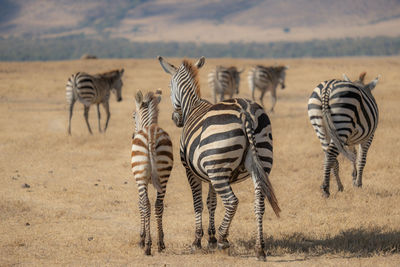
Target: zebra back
x,y
263,77
344,112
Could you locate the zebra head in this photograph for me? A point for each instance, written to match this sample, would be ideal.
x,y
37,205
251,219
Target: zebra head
x,y
117,84
282,75
360,82
236,75
183,83
146,109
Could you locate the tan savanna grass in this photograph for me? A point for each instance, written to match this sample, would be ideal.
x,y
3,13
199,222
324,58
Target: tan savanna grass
x,y
71,200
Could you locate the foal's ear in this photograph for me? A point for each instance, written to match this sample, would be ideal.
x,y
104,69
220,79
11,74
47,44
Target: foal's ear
x,y
167,67
121,72
346,78
139,98
158,95
372,84
200,62
362,77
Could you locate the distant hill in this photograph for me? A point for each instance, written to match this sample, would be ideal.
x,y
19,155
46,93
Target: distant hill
x,y
206,21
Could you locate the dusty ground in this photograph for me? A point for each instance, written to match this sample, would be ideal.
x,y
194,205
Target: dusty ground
x,y
81,204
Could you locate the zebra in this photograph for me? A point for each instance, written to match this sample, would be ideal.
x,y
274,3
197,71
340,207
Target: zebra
x,y
221,144
93,89
152,162
224,81
344,114
267,79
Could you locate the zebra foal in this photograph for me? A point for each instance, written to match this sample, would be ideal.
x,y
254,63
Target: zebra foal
x,y
152,161
344,114
93,89
221,144
224,81
266,79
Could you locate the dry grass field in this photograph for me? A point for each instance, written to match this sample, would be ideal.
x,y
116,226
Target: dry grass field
x,y
71,200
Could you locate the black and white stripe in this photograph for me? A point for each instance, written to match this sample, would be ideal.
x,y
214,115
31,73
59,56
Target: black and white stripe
x,y
152,161
221,144
266,79
224,81
344,114
93,89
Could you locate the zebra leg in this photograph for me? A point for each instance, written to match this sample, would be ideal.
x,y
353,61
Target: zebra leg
x,y
86,114
362,159
336,173
71,108
261,97
273,99
98,116
144,206
196,187
330,159
159,210
259,209
211,205
107,108
231,202
354,173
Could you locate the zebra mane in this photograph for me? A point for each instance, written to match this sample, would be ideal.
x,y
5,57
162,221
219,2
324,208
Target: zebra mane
x,y
152,108
193,71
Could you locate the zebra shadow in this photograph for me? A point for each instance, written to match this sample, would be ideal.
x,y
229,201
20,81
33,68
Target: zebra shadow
x,y
351,243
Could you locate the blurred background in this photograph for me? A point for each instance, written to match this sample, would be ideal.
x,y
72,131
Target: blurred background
x,y
68,29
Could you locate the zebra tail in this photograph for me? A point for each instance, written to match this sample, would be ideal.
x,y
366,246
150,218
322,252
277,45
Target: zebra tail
x,y
330,126
261,177
155,179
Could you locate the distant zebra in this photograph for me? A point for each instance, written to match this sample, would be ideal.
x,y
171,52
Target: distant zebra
x,y
344,114
152,161
221,144
224,81
267,79
93,89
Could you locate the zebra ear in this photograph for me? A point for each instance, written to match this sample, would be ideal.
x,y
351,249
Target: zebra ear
x,y
139,98
158,95
168,68
372,84
362,76
241,70
121,72
200,63
286,67
346,78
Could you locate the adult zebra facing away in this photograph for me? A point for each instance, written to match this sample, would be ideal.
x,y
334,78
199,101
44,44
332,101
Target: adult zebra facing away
x,y
266,79
224,81
152,162
93,89
344,114
221,144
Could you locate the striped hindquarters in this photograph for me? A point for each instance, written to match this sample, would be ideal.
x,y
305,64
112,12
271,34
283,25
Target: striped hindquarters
x,y
263,77
142,167
341,108
80,86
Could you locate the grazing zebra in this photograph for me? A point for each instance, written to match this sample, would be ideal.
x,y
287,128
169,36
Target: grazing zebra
x,y
344,114
266,79
224,81
152,161
93,89
221,144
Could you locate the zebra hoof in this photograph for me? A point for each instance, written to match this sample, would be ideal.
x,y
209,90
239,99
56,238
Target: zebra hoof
x,y
212,243
147,251
161,246
325,193
340,188
196,245
141,243
260,254
223,244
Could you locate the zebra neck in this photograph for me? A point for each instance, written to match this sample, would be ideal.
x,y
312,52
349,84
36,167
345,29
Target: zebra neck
x,y
194,109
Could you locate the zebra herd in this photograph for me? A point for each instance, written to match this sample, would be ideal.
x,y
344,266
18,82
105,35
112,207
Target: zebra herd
x,y
228,141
